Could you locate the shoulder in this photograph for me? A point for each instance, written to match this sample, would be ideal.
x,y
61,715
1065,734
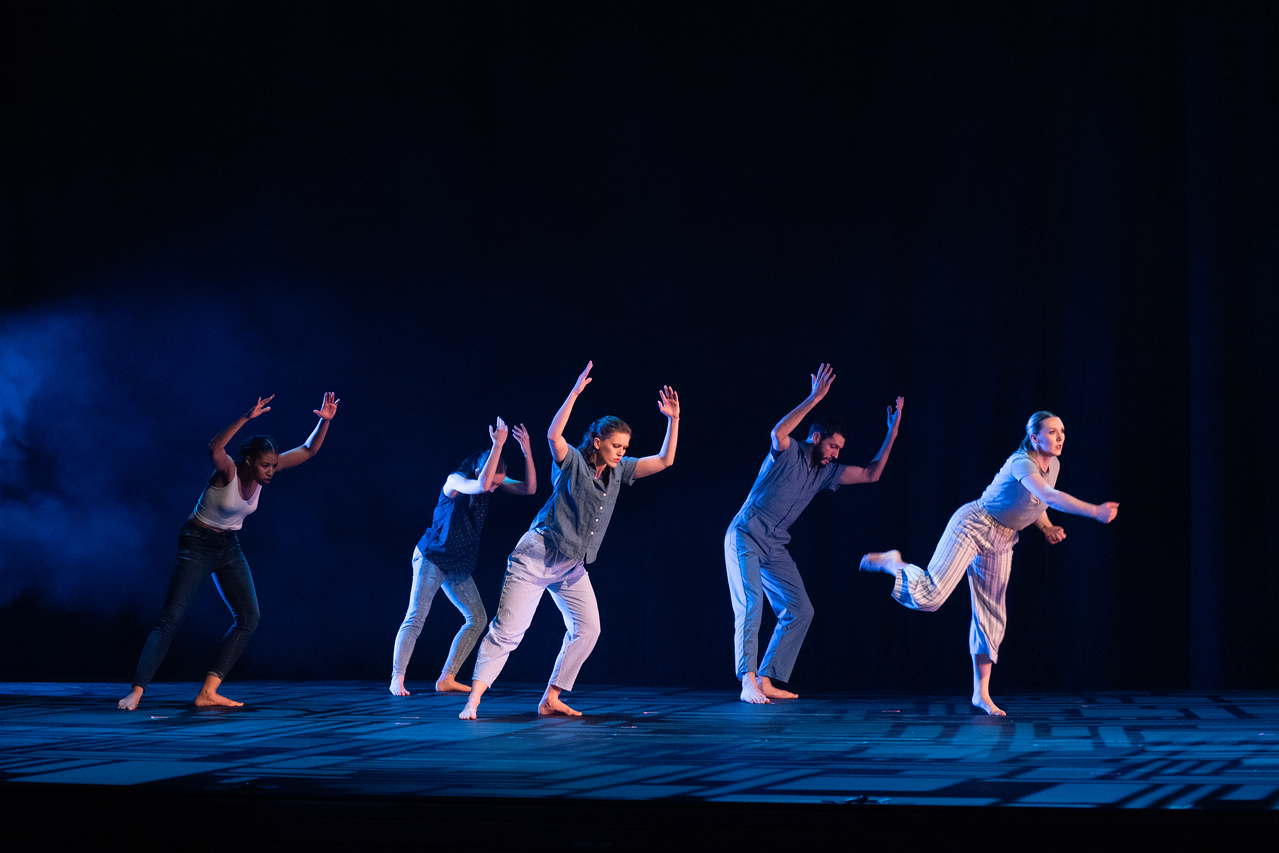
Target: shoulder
x,y
794,452
1020,465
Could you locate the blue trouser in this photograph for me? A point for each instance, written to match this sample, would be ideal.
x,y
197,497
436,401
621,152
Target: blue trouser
x,y
202,552
759,565
461,590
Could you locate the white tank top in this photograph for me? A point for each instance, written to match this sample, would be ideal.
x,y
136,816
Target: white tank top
x,y
222,508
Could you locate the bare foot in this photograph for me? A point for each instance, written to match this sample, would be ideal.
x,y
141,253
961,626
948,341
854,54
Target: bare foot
x,y
767,688
751,694
213,699
448,684
880,561
397,686
130,702
473,701
208,697
551,705
987,705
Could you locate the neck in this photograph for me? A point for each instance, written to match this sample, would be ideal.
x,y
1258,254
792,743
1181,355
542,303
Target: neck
x,y
1043,459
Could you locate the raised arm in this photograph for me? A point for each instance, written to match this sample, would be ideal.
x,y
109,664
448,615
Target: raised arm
x,y
853,474
1052,532
529,486
667,404
310,447
1057,499
483,481
217,446
821,384
555,432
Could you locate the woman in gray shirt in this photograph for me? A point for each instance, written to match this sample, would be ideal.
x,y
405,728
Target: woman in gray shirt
x,y
979,538
565,537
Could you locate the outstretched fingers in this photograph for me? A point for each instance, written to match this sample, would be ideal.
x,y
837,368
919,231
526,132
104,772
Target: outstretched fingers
x,y
668,401
260,406
329,407
822,380
584,378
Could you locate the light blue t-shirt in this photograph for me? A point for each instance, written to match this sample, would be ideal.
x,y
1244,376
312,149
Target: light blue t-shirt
x,y
1008,501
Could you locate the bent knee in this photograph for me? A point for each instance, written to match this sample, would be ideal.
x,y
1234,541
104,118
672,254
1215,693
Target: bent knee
x,y
589,631
476,619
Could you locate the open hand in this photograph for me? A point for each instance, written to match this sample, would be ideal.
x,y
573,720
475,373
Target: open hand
x,y
822,380
521,436
584,379
668,402
498,432
895,414
259,407
328,408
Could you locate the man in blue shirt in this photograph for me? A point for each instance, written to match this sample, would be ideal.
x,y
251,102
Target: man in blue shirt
x,y
755,545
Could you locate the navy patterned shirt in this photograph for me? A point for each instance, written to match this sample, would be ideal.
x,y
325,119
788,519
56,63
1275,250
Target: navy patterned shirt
x,y
453,542
580,506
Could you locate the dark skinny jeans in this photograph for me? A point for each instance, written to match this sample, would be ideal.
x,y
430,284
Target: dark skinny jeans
x,y
202,552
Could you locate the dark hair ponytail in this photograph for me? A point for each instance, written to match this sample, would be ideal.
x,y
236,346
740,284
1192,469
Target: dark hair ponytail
x,y
256,446
471,466
602,428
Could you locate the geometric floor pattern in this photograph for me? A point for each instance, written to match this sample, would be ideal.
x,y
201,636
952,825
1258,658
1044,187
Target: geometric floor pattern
x,y
1149,751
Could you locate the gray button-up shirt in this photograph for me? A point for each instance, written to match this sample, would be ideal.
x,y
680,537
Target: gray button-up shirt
x,y
787,481
579,508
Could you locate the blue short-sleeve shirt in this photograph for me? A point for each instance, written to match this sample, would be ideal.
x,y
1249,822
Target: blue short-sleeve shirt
x,y
577,513
787,481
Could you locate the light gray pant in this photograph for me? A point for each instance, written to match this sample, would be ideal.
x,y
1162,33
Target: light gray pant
x,y
760,566
427,580
531,570
976,544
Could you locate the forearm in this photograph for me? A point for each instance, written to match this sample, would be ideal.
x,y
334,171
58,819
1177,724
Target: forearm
x,y
666,457
530,473
555,432
667,453
876,465
788,424
219,442
1067,503
490,466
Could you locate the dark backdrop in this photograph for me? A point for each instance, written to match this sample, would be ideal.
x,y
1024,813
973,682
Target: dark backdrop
x,y
442,212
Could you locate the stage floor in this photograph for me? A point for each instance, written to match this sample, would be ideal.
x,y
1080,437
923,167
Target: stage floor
x,y
346,742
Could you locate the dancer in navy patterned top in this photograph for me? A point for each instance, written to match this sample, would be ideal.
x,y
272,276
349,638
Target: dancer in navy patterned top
x,y
445,556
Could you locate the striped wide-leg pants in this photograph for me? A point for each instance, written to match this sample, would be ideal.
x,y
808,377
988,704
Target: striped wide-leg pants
x,y
976,544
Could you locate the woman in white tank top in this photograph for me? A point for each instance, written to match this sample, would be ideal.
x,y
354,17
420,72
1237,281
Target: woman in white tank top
x,y
979,539
208,545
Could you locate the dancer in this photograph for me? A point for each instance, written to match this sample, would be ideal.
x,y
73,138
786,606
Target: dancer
x,y
445,556
979,539
207,544
565,537
755,546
